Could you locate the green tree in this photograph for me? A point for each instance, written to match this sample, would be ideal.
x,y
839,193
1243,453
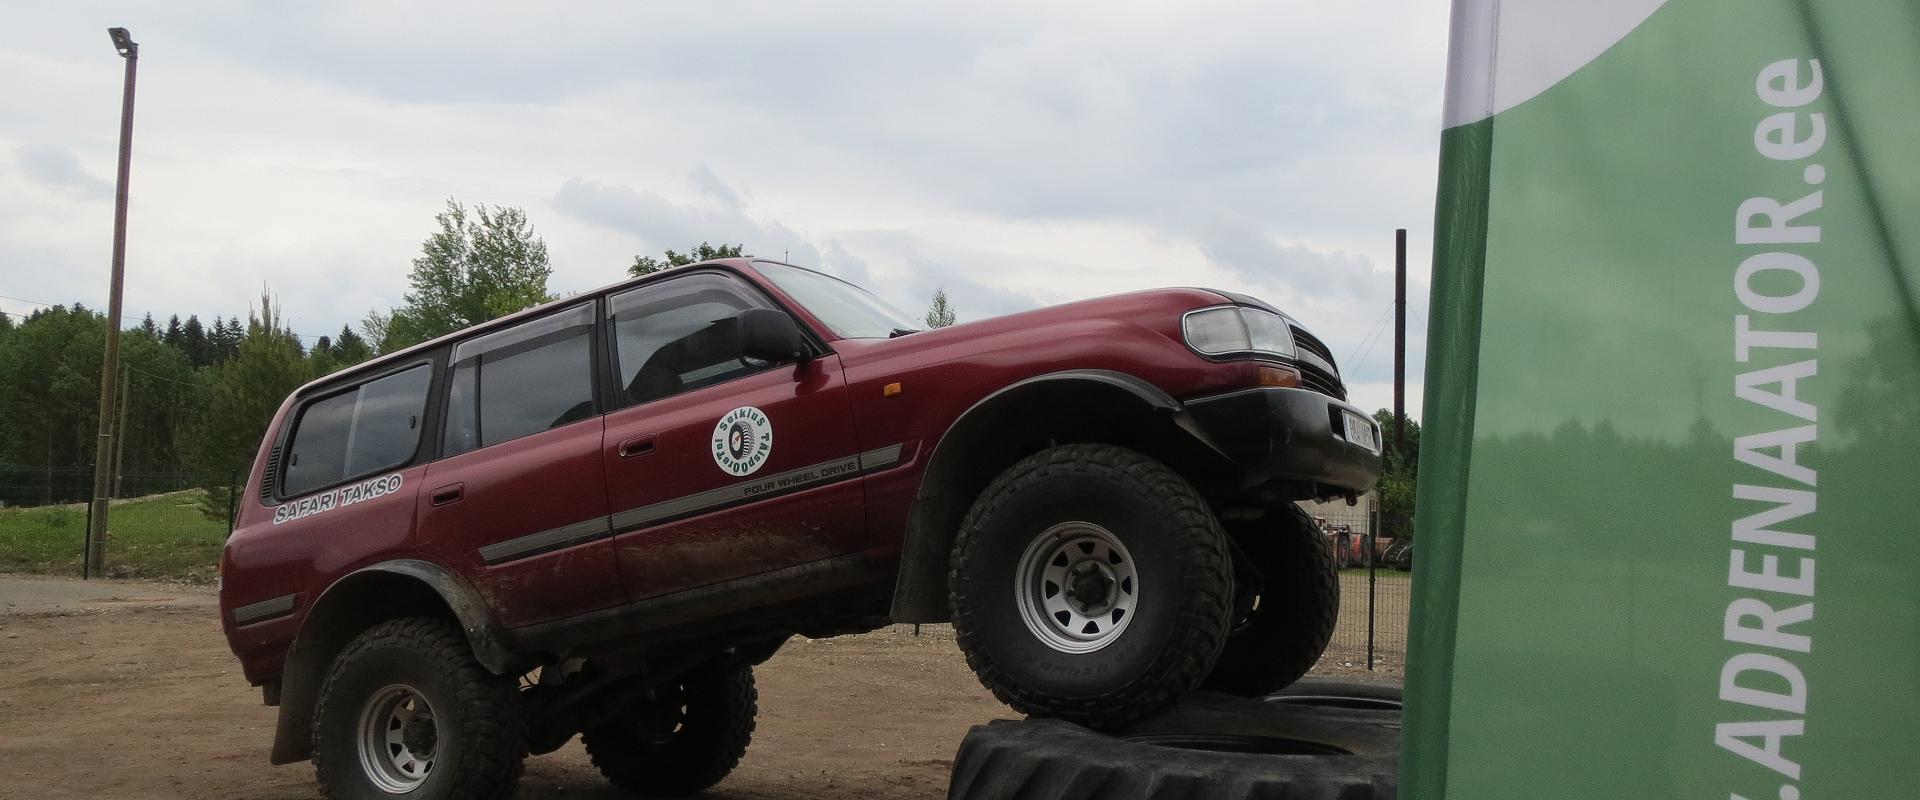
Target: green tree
x,y
941,314
1400,473
647,265
193,341
481,264
243,392
49,398
349,349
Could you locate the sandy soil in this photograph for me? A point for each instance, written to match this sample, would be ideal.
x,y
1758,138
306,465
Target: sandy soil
x,y
127,690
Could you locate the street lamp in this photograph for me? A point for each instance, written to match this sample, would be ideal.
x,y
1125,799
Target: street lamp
x,y
110,365
123,42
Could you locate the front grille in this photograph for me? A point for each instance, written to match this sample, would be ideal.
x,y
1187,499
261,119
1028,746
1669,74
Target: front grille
x,y
1311,378
1317,370
1303,340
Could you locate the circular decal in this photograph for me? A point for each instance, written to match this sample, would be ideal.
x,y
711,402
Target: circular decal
x,y
742,441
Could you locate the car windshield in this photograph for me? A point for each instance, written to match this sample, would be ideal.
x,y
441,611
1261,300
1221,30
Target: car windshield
x,y
849,310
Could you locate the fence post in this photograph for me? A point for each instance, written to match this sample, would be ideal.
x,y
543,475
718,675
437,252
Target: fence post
x,y
233,498
86,550
1373,535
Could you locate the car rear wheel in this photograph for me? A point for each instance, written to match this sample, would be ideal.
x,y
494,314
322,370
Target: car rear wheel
x,y
1090,583
406,711
684,737
1289,602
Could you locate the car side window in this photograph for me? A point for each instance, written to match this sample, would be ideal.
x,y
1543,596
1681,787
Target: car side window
x,y
367,429
533,377
678,335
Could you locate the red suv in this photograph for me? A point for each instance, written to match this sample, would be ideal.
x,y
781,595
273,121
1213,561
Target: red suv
x,y
596,516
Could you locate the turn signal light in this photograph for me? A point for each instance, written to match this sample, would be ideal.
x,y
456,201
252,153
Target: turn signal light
x,y
890,390
1279,376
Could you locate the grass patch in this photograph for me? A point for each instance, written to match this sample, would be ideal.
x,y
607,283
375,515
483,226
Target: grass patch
x,y
162,536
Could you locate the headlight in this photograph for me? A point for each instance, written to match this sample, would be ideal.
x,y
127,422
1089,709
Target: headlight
x,y
1228,330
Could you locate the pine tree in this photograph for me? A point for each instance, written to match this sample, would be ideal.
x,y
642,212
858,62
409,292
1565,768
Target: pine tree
x,y
941,314
349,348
147,327
193,340
173,335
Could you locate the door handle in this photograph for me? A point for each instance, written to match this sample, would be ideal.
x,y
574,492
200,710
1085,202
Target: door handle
x,y
637,446
446,494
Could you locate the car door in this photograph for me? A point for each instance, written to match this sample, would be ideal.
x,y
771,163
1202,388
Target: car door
x,y
718,468
518,499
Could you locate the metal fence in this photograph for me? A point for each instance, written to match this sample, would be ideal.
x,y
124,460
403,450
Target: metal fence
x,y
159,524
1375,560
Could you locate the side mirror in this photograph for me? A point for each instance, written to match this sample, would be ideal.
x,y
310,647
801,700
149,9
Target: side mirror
x,y
770,335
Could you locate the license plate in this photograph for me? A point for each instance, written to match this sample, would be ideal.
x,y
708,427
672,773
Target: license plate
x,y
1360,431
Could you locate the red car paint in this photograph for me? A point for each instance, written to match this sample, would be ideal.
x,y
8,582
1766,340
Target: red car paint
x,y
631,461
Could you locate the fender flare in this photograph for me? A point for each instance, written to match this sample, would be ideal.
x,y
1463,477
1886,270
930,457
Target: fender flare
x,y
489,644
919,593
325,631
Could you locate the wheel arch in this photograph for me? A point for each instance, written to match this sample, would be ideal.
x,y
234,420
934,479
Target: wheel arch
x,y
358,601
1020,419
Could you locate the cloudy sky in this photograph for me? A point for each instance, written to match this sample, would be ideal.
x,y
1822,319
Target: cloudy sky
x,y
1018,155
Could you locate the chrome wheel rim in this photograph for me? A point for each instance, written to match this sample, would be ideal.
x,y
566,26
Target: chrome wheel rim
x,y
1076,587
398,739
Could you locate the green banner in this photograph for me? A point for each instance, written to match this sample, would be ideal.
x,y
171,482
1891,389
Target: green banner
x,y
1672,421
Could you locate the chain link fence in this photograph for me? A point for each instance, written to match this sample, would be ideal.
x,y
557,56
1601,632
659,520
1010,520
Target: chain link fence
x,y
168,525
1374,556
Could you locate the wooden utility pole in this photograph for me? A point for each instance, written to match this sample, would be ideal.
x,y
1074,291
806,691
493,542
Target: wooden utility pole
x,y
1400,343
120,438
103,449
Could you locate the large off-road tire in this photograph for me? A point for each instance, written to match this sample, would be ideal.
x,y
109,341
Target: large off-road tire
x,y
1090,583
684,738
1206,747
1288,607
406,711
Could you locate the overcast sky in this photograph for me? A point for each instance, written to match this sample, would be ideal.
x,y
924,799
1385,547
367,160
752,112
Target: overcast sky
x,y
1015,154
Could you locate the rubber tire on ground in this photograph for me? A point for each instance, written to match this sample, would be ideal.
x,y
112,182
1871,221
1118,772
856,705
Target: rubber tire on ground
x,y
1177,547
708,742
1299,603
482,734
1358,756
1340,693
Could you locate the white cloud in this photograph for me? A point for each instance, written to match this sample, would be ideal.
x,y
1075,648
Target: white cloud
x,y
1016,155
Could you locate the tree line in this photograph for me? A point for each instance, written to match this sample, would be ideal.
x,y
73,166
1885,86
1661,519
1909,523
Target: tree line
x,y
199,397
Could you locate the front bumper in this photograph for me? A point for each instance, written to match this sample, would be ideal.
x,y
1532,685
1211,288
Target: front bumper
x,y
1293,437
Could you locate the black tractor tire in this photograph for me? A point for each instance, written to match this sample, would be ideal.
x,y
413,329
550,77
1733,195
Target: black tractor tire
x,y
1340,693
683,739
1291,603
1207,747
1167,538
472,730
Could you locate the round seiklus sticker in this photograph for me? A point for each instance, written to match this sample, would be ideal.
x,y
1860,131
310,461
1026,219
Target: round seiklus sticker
x,y
742,441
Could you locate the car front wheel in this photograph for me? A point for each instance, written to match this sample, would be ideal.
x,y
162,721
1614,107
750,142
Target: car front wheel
x,y
1090,583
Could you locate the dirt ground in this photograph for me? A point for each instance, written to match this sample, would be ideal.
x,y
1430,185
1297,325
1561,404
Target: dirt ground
x,y
117,689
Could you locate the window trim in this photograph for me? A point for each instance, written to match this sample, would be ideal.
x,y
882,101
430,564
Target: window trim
x,y
610,365
429,419
443,389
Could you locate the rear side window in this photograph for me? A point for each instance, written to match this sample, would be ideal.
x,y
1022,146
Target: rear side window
x,y
678,335
373,427
520,381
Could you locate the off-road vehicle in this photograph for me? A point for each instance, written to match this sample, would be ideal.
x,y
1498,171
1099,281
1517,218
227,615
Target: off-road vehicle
x,y
595,517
